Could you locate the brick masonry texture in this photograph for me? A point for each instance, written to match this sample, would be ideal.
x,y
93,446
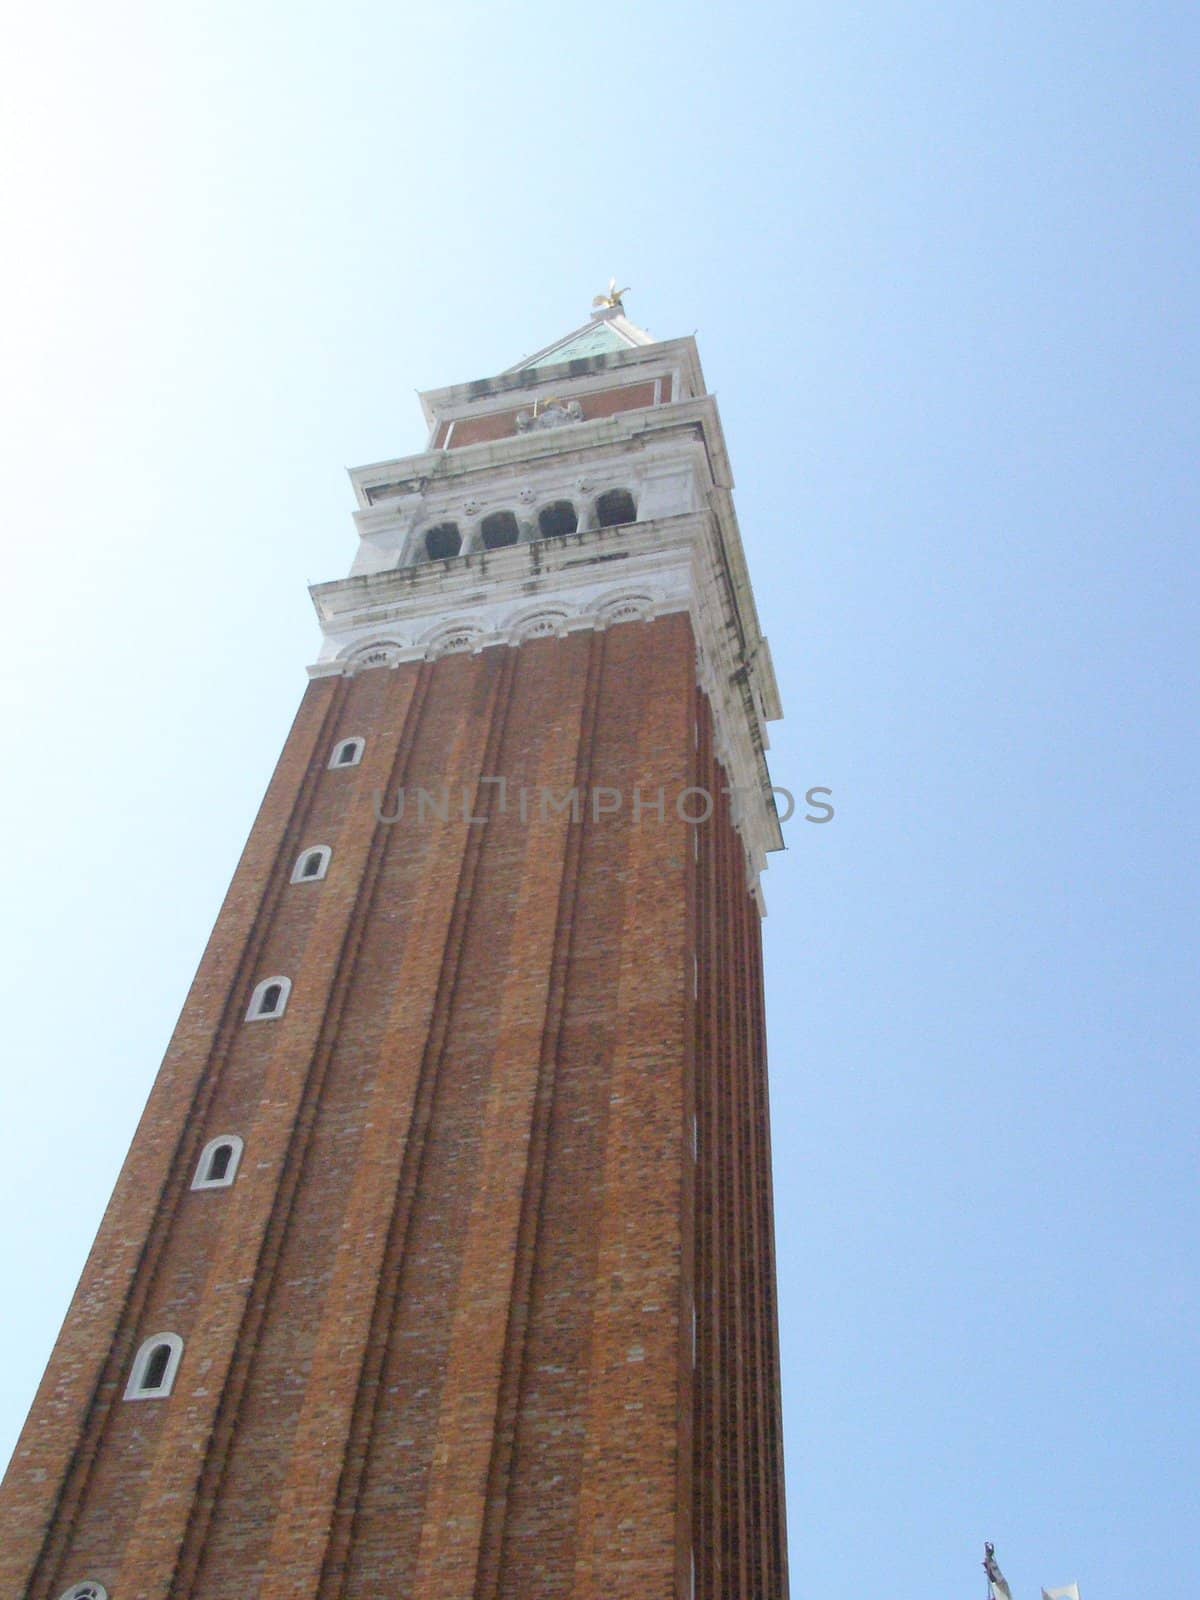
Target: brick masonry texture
x,y
505,1149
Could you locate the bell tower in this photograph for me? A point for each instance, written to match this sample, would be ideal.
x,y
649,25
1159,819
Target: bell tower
x,y
441,1265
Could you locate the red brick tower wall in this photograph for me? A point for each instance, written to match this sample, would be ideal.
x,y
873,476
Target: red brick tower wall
x,y
738,1507
438,1334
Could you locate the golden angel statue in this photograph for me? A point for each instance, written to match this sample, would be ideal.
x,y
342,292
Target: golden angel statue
x,y
612,300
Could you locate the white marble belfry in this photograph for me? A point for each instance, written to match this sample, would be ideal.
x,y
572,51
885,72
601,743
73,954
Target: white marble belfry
x,y
683,551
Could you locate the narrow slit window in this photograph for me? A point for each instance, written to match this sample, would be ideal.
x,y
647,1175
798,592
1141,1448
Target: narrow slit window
x,y
154,1368
311,864
218,1163
269,999
348,753
556,520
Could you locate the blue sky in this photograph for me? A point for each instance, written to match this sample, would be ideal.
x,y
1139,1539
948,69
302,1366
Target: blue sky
x,y
941,265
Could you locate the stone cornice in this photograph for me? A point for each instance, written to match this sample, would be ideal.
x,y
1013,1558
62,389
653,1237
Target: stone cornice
x,y
417,474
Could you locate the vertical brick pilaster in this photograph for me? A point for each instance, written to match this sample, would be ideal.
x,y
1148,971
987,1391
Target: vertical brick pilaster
x,y
221,1343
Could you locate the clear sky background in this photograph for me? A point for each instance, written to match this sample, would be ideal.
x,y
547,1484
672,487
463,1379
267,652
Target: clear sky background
x,y
941,260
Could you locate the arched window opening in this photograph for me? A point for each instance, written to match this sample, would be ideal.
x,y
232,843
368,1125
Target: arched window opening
x,y
89,1590
499,529
557,519
218,1163
443,541
269,999
614,508
347,753
311,864
154,1368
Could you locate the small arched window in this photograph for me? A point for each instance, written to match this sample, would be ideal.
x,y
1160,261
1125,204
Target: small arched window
x,y
557,519
218,1163
154,1368
347,753
614,508
269,999
88,1590
443,541
311,864
499,529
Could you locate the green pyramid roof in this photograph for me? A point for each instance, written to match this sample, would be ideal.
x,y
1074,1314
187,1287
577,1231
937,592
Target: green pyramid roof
x,y
597,340
607,333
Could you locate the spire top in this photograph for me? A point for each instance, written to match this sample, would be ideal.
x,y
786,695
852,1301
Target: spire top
x,y
610,301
